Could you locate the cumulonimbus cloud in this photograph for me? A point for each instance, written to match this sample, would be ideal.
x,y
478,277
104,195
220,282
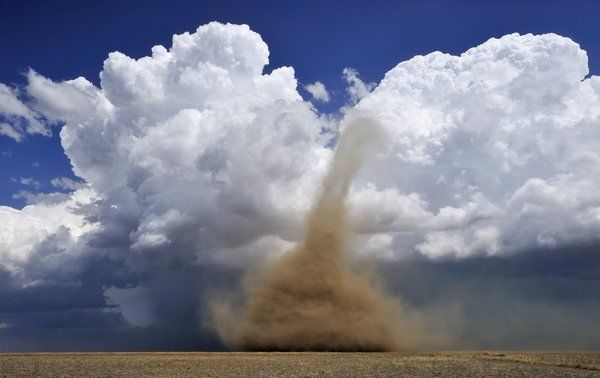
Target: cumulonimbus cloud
x,y
490,152
195,156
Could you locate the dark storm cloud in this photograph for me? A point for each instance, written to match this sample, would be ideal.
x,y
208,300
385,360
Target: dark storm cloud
x,y
78,316
539,299
194,163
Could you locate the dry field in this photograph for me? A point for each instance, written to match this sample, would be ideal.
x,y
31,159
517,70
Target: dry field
x,y
442,364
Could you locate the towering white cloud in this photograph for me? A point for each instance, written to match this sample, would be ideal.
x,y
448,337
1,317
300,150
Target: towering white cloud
x,y
496,150
190,151
194,156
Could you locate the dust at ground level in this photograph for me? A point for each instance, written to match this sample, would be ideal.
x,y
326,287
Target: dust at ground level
x,y
205,364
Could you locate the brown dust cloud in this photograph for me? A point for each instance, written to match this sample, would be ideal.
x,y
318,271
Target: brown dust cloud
x,y
312,298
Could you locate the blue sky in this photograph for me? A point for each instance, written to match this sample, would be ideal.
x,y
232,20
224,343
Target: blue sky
x,y
66,39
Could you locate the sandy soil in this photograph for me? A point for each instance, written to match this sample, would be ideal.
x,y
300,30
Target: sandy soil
x,y
443,364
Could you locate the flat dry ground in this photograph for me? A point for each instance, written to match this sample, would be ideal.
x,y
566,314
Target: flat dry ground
x,y
442,364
